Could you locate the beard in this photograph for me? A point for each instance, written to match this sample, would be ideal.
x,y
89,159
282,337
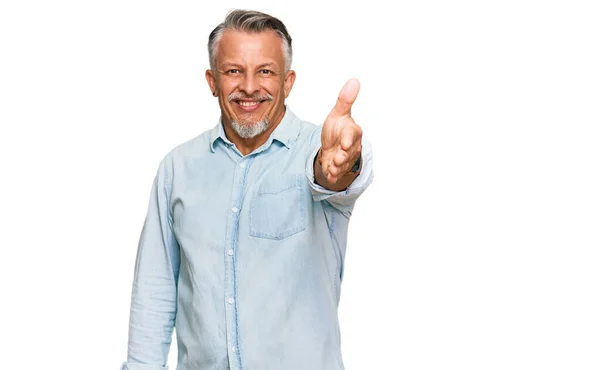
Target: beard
x,y
248,131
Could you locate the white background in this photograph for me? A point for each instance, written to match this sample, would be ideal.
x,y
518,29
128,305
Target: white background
x,y
477,246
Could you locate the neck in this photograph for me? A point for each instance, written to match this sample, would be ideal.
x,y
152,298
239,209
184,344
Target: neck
x,y
247,146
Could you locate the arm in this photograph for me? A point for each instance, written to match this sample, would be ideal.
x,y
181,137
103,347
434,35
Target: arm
x,y
339,164
338,160
342,200
154,292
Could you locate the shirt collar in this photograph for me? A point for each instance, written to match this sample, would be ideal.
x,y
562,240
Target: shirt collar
x,y
286,132
217,133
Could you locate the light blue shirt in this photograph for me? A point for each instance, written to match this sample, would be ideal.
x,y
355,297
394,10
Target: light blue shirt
x,y
243,255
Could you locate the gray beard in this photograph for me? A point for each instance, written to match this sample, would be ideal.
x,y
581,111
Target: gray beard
x,y
250,131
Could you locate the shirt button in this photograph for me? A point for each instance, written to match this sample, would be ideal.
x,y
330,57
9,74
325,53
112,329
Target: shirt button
x,y
230,301
243,165
235,209
230,252
233,349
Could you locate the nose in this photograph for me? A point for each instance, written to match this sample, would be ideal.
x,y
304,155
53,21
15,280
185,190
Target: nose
x,y
249,84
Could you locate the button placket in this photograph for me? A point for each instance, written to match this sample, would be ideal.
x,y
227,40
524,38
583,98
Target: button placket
x,y
240,172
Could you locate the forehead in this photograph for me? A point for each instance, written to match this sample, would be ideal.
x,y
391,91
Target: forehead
x,y
250,47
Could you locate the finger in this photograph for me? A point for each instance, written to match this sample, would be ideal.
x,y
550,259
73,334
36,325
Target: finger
x,y
350,156
326,163
340,157
346,98
335,170
332,179
333,166
343,161
350,134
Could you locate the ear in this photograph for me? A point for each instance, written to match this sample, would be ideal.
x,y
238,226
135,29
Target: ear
x,y
212,82
288,83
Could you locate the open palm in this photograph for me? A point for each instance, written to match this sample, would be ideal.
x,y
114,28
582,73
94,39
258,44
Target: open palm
x,y
341,136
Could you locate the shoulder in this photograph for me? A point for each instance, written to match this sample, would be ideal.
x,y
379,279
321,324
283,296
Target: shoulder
x,y
190,150
306,129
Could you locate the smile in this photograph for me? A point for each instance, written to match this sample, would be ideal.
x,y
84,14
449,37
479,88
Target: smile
x,y
248,106
248,103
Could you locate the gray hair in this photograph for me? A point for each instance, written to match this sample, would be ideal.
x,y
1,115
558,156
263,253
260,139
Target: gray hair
x,y
250,21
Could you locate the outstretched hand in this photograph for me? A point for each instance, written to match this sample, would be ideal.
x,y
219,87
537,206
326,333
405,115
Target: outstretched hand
x,y
341,137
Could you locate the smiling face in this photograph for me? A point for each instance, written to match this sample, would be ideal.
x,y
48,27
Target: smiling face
x,y
251,82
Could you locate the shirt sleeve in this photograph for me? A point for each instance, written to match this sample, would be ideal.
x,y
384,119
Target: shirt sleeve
x,y
154,292
343,200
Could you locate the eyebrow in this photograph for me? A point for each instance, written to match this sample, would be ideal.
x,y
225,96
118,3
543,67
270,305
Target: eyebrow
x,y
228,64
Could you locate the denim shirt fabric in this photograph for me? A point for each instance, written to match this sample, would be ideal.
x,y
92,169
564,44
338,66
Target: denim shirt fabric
x,y
243,255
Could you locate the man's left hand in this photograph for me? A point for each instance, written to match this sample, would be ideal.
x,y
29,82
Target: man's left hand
x,y
341,137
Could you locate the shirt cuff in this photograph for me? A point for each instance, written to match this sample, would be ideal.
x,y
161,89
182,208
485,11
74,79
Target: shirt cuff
x,y
129,366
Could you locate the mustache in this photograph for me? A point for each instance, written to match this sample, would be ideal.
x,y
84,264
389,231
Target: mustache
x,y
239,96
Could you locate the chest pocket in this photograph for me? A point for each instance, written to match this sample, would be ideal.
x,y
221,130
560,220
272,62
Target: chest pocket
x,y
278,209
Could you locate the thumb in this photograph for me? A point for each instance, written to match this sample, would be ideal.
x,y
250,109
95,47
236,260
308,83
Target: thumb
x,y
346,98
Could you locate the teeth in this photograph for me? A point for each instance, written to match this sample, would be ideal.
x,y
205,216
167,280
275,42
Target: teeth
x,y
248,103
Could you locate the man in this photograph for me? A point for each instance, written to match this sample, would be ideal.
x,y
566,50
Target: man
x,y
243,245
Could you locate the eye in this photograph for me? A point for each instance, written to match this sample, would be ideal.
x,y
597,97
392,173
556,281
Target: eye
x,y
266,72
233,71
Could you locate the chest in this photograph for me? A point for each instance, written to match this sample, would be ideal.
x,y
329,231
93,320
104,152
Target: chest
x,y
263,196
